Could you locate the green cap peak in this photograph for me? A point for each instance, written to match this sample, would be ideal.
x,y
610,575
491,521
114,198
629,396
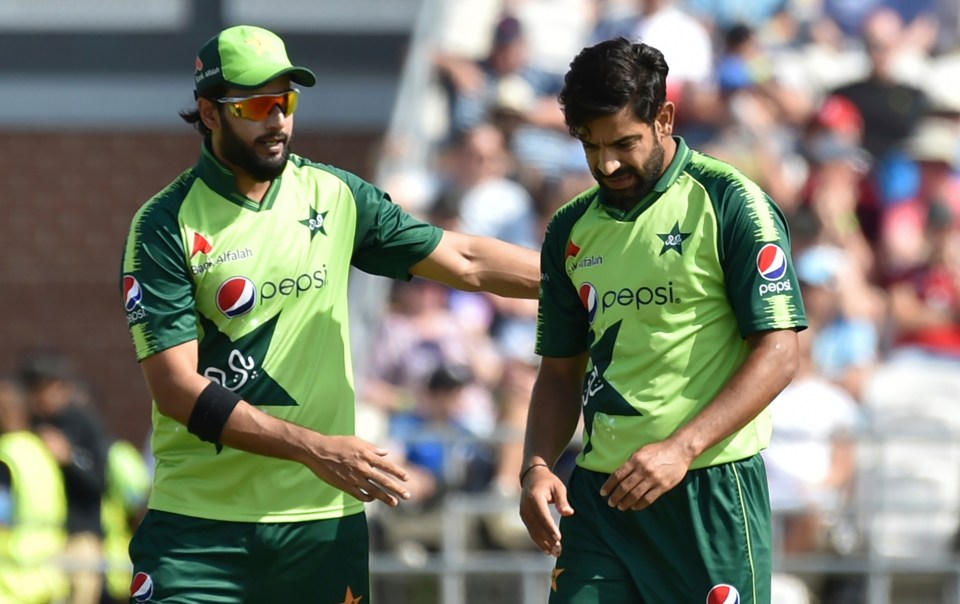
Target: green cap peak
x,y
245,56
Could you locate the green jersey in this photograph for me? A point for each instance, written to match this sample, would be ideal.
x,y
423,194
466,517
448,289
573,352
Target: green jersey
x,y
262,287
663,296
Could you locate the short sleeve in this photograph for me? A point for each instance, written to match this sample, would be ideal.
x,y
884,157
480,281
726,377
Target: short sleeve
x,y
389,240
156,288
562,325
756,257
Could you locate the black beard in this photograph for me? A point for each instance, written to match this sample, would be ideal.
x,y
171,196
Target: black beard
x,y
628,198
244,157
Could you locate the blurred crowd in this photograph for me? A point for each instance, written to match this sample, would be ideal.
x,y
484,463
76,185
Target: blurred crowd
x,y
70,493
846,112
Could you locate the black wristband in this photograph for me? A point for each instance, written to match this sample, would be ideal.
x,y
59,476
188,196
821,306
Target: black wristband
x,y
527,471
211,412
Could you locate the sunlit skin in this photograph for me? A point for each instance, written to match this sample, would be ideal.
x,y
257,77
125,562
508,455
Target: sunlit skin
x,y
255,151
627,156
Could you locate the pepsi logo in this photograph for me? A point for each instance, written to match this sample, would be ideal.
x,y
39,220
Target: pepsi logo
x,y
141,588
132,293
590,300
772,262
723,594
236,296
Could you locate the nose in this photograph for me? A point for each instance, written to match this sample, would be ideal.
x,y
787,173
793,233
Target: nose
x,y
276,115
607,162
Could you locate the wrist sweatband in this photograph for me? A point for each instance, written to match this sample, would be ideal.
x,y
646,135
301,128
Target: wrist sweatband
x,y
211,412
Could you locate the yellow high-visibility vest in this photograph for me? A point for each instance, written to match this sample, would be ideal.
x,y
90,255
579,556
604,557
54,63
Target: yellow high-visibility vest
x,y
128,484
30,547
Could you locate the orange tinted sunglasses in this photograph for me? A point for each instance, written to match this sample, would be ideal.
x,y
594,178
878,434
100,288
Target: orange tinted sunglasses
x,y
257,107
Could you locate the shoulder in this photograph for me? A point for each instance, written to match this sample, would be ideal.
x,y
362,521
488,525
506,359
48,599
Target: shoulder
x,y
312,170
569,213
166,203
722,182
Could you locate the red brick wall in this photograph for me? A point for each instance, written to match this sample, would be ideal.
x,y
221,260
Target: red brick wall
x,y
66,203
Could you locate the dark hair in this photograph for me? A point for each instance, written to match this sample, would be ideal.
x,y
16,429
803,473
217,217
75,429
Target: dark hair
x,y
605,78
735,37
38,366
192,116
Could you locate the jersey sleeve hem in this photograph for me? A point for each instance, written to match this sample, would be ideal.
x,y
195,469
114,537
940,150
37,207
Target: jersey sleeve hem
x,y
166,345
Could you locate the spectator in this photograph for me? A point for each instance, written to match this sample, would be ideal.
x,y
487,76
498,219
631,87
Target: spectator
x,y
473,86
435,438
933,147
441,454
840,193
811,459
420,333
925,301
73,432
753,131
34,509
845,310
890,108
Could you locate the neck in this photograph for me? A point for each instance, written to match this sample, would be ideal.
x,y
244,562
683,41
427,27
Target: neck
x,y
248,186
255,190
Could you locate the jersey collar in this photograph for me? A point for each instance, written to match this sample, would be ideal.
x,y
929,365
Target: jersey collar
x,y
680,160
223,182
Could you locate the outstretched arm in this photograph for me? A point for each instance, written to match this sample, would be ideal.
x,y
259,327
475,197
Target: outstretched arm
x,y
474,263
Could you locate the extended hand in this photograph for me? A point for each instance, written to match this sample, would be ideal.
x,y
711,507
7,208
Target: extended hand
x,y
649,473
359,468
541,488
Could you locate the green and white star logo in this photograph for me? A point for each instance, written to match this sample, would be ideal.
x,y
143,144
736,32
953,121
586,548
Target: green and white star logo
x,y
673,240
314,223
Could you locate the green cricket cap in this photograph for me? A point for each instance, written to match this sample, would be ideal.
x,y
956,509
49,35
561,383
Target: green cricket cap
x,y
245,56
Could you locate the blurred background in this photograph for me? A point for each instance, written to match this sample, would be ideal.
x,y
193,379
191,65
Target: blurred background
x,y
846,111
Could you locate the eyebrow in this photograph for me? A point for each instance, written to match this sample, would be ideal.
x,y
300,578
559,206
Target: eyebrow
x,y
620,141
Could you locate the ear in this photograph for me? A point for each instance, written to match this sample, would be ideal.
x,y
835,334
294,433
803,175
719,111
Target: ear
x,y
209,113
664,119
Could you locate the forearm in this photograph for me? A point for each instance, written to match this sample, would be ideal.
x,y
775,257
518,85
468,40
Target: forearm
x,y
254,431
473,263
552,420
771,365
503,268
176,387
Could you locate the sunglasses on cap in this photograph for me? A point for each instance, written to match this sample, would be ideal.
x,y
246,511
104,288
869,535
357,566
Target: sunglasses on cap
x,y
257,107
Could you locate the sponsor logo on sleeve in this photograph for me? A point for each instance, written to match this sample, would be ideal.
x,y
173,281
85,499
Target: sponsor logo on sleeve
x,y
141,587
772,266
132,300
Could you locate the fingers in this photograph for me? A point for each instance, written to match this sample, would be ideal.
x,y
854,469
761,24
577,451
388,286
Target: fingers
x,y
388,467
633,493
535,513
385,489
563,506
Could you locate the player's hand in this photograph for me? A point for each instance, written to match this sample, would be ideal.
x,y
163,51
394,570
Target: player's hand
x,y
649,473
359,468
540,488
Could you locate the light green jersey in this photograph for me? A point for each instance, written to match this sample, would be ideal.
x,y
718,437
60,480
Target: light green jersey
x,y
263,289
663,296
